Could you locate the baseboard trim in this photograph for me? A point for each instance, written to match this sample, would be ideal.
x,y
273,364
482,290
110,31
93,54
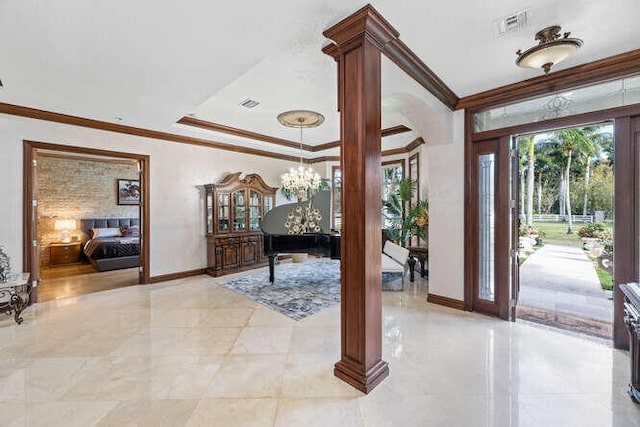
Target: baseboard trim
x,y
177,275
446,301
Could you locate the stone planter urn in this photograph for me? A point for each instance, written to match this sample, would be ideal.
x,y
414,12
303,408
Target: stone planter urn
x,y
588,242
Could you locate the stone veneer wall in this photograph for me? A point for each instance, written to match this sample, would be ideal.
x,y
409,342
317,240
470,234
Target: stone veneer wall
x,y
76,189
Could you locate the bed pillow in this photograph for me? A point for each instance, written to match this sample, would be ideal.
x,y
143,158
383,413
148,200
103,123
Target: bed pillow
x,y
97,233
131,231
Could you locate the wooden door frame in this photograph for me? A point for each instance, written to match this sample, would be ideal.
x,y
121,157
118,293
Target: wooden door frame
x,y
626,209
29,228
500,305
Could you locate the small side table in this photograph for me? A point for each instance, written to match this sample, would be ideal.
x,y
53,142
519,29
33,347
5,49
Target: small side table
x,y
422,254
14,295
64,253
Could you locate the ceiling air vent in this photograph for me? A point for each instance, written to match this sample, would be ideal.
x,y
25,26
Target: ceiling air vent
x,y
510,23
249,103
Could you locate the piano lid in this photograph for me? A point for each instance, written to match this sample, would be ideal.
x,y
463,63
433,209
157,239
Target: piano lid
x,y
273,221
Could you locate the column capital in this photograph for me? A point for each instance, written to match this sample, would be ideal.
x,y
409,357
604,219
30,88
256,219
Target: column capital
x,y
366,22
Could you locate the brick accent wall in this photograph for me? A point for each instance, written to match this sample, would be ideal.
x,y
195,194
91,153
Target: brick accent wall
x,y
69,188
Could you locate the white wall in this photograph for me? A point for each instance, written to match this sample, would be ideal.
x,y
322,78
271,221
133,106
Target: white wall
x,y
445,168
442,183
177,239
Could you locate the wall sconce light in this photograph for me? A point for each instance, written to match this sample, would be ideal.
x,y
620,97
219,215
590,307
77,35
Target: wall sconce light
x,y
65,225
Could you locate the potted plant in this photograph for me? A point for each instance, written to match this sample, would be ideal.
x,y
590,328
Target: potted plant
x,y
405,223
590,234
539,237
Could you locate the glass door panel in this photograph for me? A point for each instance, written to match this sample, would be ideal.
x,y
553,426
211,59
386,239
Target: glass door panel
x,y
268,204
223,212
486,221
239,211
209,212
255,210
488,228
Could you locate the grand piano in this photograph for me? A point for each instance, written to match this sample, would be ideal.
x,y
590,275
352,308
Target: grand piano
x,y
279,239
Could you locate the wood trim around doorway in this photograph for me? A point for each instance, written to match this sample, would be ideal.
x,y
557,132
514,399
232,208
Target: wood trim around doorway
x,y
446,301
29,233
626,213
613,67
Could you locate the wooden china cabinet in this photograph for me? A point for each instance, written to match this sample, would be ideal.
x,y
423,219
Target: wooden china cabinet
x,y
234,208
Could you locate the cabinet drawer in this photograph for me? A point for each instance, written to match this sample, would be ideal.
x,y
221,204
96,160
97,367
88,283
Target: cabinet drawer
x,y
65,254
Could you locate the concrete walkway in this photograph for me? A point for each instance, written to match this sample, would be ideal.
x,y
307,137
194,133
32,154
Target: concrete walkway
x,y
562,279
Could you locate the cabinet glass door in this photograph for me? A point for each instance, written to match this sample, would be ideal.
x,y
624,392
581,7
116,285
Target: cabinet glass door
x,y
268,204
209,212
223,212
239,211
255,210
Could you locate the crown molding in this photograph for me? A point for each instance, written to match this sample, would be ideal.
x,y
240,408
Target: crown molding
x,y
410,63
367,21
602,70
216,127
394,130
32,113
401,150
324,159
204,124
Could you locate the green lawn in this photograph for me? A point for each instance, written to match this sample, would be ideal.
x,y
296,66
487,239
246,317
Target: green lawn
x,y
606,281
556,233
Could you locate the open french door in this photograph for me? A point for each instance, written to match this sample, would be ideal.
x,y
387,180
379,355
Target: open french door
x,y
491,228
514,218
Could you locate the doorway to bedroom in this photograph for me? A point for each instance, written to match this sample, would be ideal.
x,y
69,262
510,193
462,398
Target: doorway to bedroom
x,y
85,231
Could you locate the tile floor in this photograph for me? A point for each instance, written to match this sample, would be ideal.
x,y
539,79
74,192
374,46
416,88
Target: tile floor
x,y
190,352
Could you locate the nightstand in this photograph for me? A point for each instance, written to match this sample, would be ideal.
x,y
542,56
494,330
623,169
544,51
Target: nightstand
x,y
64,253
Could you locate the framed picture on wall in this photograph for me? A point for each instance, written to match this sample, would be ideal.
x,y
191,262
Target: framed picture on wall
x,y
128,192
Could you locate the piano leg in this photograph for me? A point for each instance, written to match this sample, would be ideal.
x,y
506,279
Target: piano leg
x,y
272,259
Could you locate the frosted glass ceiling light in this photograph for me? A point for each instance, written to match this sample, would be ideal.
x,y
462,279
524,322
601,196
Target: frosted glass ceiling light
x,y
551,49
301,181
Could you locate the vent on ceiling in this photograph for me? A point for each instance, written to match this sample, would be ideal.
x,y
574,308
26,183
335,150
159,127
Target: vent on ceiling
x,y
511,23
249,103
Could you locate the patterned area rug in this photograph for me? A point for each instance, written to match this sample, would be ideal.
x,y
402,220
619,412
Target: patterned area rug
x,y
300,290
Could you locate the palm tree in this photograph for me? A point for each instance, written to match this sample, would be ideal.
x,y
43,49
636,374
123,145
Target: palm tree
x,y
529,149
570,141
602,144
547,167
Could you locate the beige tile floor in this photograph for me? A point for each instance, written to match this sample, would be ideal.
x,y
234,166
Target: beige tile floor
x,y
191,352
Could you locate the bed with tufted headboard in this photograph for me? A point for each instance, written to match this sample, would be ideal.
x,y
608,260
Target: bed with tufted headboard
x,y
111,243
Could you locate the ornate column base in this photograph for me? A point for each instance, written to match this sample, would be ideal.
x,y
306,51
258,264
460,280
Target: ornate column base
x,y
365,382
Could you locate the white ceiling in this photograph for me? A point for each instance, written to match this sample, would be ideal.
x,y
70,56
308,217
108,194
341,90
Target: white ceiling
x,y
150,62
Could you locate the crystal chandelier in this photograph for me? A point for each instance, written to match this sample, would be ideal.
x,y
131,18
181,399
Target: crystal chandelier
x,y
301,181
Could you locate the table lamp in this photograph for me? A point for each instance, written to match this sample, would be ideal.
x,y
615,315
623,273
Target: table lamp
x,y
65,225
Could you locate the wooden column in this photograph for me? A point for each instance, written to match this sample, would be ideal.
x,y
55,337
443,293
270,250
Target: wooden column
x,y
626,217
359,40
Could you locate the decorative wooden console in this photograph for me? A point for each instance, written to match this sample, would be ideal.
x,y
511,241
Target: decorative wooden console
x,y
234,208
632,320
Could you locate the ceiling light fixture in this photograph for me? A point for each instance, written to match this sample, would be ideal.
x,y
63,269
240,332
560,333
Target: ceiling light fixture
x,y
551,49
300,181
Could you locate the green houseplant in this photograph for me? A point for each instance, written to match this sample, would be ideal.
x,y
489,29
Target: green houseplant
x,y
405,222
